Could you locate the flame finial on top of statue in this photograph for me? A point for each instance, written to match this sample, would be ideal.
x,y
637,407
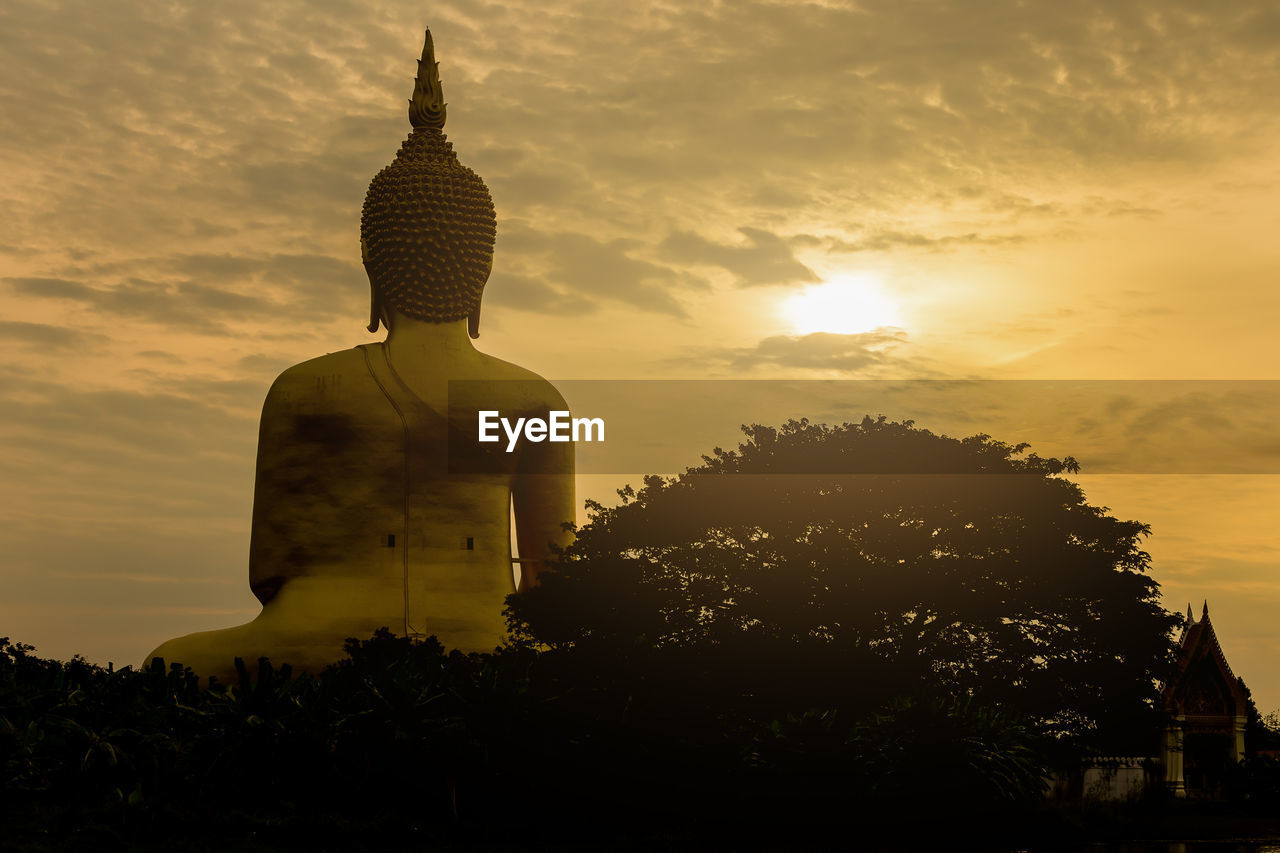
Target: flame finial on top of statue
x,y
427,106
428,226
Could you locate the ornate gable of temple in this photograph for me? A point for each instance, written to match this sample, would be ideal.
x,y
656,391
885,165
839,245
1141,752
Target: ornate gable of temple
x,y
1204,686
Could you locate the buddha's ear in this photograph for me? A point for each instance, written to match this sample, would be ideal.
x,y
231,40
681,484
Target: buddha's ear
x,y
375,303
375,309
473,319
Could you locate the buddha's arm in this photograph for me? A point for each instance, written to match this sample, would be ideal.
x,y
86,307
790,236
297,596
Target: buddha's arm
x,y
543,500
269,541
321,470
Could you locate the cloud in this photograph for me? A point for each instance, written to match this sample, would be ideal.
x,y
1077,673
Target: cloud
x,y
102,428
285,116
884,241
822,350
203,292
160,356
511,290
189,306
817,351
591,269
764,259
45,336
261,364
238,135
309,285
50,288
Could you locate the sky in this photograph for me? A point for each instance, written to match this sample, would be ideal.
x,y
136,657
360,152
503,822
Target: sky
x,y
749,190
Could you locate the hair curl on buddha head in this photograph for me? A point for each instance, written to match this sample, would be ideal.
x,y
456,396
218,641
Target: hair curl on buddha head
x,y
428,224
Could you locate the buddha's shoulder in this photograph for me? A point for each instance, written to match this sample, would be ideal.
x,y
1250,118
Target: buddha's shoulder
x,y
523,382
342,378
345,370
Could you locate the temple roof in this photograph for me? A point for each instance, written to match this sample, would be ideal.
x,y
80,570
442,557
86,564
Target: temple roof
x,y
1199,642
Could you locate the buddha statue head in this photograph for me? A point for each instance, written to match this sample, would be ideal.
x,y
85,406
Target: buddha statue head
x,y
428,225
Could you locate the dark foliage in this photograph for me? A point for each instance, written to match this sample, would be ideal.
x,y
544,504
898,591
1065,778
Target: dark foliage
x,y
843,566
1254,782
813,637
383,743
404,742
1261,733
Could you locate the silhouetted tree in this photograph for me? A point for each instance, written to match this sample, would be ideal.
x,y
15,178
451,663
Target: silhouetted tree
x,y
820,566
1260,732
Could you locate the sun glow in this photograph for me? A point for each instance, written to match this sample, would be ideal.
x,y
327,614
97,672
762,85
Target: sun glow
x,y
845,305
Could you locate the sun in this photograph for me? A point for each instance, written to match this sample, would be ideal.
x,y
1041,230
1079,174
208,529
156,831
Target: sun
x,y
845,305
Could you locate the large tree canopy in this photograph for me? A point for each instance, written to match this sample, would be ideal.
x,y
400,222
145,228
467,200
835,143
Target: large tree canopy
x,y
822,563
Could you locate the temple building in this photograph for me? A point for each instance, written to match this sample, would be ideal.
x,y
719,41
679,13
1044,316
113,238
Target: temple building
x,y
1206,708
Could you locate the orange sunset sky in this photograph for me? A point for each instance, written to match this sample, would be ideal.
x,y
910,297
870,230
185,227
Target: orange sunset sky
x,y
888,190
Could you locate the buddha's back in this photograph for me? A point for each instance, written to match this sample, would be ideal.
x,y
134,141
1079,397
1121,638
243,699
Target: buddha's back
x,y
367,492
374,505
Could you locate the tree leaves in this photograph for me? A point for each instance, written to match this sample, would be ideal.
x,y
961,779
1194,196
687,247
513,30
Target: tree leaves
x,y
970,566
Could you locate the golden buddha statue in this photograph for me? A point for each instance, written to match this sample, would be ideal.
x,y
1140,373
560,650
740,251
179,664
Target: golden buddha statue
x,y
359,519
